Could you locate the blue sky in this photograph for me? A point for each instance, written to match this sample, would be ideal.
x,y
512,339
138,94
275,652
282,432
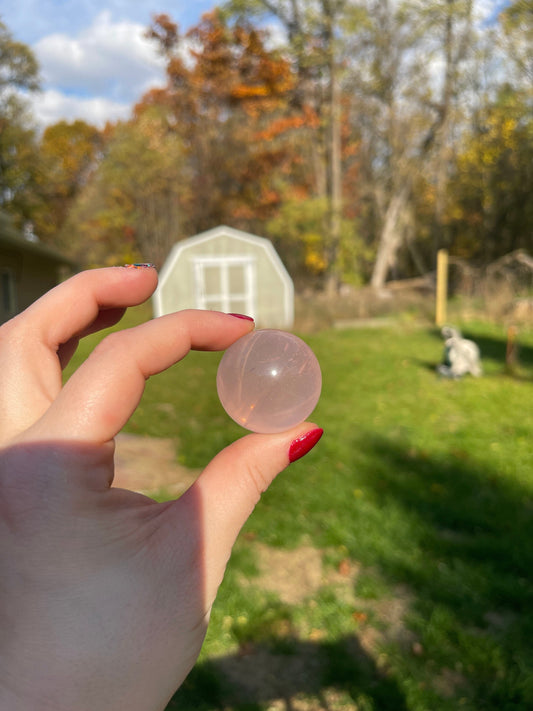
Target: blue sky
x,y
95,62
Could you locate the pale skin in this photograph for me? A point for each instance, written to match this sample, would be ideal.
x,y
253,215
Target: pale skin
x,y
105,595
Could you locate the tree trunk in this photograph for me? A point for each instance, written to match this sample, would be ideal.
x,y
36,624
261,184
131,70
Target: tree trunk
x,y
335,184
391,236
334,158
441,132
436,141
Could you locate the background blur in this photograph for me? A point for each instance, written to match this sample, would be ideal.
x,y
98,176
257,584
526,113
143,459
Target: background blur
x,y
390,570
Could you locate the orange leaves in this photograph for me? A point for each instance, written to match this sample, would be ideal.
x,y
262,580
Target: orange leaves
x,y
249,92
165,31
359,617
225,86
222,64
68,155
308,118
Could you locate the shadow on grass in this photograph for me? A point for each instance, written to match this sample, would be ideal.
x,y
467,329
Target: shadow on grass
x,y
328,672
470,568
462,547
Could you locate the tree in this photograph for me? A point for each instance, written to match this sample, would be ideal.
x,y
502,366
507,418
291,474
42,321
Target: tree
x,y
492,211
131,207
18,71
314,44
18,66
517,26
405,112
297,233
225,89
68,154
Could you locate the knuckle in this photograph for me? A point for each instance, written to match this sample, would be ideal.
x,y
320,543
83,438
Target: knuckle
x,y
111,346
256,477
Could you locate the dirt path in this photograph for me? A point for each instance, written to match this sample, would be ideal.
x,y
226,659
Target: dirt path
x,y
148,465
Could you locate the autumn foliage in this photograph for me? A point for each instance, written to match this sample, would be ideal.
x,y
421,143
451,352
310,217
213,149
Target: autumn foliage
x,y
336,141
229,97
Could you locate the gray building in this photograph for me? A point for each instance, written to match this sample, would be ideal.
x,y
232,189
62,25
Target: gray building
x,y
227,270
28,269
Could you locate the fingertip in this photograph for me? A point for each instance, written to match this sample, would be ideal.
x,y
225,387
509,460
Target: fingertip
x,y
231,486
139,272
140,265
304,443
242,316
265,455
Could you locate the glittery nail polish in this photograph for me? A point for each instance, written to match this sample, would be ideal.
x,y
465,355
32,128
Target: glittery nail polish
x,y
139,265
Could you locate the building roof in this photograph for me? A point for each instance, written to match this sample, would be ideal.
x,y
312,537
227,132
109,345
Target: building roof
x,y
223,231
10,237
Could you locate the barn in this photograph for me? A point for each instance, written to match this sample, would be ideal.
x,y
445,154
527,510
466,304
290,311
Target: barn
x,y
228,270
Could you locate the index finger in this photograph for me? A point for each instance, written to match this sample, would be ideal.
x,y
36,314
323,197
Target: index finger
x,y
31,344
103,393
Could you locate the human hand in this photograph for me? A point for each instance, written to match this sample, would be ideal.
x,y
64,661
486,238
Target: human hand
x,y
105,594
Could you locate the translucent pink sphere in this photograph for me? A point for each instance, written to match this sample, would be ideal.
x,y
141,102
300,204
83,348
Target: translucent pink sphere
x,y
269,381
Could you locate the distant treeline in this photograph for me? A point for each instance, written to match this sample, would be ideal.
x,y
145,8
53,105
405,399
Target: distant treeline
x,y
360,136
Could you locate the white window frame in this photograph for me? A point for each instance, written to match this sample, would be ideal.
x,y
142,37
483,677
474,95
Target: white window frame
x,y
225,297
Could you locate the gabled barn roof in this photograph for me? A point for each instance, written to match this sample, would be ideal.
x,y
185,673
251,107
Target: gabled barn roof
x,y
215,232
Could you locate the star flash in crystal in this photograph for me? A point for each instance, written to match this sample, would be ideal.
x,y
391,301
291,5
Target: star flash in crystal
x,y
269,381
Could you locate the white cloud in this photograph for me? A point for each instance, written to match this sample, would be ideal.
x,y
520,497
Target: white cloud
x,y
51,106
97,74
111,59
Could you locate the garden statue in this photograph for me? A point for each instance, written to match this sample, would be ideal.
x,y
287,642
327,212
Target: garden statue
x,y
461,356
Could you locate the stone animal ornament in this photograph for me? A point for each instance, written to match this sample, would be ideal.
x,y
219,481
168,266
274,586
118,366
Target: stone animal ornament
x,y
461,356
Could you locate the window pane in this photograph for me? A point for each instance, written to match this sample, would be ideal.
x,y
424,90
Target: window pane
x,y
213,282
239,306
214,304
237,283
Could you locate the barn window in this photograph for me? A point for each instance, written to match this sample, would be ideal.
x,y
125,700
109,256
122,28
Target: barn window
x,y
225,284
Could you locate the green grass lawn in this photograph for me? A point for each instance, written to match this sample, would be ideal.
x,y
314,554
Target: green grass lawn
x,y
424,486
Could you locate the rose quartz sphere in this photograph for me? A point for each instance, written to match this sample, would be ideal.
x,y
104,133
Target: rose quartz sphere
x,y
269,381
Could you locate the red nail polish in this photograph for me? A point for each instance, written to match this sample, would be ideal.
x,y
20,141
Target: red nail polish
x,y
243,316
303,444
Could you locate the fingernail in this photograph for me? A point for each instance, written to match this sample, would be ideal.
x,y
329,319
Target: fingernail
x,y
243,316
305,443
140,265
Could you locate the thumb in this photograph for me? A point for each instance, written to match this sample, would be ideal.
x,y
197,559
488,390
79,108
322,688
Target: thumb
x,y
228,489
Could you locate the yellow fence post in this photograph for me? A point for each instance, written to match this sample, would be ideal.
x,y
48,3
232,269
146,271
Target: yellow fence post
x,y
442,287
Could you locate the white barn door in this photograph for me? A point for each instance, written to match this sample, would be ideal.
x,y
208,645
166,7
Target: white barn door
x,y
226,284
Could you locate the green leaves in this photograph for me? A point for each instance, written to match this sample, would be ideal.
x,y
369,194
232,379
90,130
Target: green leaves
x,y
18,66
